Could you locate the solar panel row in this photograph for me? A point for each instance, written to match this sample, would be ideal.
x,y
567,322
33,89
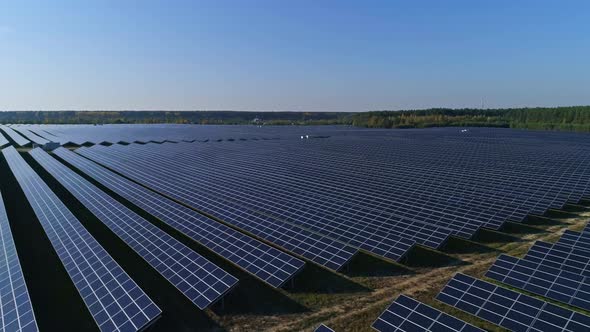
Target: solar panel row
x,y
110,133
16,311
556,284
578,240
509,309
198,279
561,257
316,248
3,140
262,260
30,135
114,300
408,315
16,137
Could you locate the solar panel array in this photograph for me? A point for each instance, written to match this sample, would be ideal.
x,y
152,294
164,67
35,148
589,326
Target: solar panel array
x,y
509,309
339,221
114,300
366,190
260,259
16,311
322,194
314,247
407,315
197,278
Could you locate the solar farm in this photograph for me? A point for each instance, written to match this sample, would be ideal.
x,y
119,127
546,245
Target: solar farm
x,y
293,228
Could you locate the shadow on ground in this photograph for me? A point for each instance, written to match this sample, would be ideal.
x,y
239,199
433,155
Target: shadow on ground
x,y
559,214
315,279
420,256
364,265
461,246
520,228
575,208
252,297
491,236
533,220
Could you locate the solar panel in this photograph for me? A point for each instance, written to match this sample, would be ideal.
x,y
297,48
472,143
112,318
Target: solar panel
x,y
407,315
112,297
323,328
314,247
509,309
263,261
31,136
561,257
198,279
578,240
3,140
555,284
15,304
16,137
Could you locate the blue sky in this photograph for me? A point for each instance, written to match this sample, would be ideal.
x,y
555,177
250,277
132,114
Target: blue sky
x,y
293,55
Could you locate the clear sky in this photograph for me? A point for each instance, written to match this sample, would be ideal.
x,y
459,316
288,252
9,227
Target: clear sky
x,y
293,55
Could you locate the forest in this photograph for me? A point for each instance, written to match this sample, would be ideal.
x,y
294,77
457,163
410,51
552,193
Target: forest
x,y
574,118
194,117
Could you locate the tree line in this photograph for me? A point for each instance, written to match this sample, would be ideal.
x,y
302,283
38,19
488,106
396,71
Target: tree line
x,y
575,118
193,117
